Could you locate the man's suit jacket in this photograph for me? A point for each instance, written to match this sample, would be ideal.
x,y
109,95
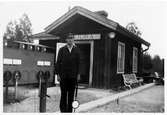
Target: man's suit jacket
x,y
68,63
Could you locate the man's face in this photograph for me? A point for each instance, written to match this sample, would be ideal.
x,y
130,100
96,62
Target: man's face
x,y
70,41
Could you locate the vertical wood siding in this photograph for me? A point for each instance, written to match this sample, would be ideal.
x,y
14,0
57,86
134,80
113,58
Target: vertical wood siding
x,y
129,44
28,68
98,64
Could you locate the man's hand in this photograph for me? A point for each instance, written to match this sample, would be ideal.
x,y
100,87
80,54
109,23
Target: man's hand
x,y
78,77
58,78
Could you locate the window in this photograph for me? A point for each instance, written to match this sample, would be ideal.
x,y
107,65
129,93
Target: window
x,y
135,55
16,61
47,63
7,61
40,63
121,57
43,63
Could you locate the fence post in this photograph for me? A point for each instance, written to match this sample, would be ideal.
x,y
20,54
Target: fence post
x,y
43,93
16,84
43,90
17,77
6,91
7,76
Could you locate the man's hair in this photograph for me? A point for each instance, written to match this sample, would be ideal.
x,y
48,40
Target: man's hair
x,y
70,36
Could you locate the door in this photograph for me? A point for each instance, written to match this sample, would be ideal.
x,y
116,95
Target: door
x,y
85,62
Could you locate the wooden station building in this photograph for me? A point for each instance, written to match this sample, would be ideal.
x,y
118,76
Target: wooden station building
x,y
108,50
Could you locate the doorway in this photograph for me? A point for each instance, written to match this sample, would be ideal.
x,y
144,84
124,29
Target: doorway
x,y
86,52
86,49
85,62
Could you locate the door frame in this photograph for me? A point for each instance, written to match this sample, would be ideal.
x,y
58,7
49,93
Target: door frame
x,y
91,58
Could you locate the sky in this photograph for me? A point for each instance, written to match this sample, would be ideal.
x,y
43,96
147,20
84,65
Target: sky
x,y
148,15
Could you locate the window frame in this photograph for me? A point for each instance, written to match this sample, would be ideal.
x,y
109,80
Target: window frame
x,y
118,69
135,51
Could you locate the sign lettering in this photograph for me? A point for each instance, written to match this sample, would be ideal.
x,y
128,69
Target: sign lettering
x,y
87,37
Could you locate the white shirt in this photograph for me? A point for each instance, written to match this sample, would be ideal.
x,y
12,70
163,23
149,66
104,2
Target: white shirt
x,y
70,47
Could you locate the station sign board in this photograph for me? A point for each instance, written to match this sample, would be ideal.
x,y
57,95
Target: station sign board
x,y
87,36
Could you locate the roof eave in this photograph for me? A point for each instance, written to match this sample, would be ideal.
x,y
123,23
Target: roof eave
x,y
44,36
123,30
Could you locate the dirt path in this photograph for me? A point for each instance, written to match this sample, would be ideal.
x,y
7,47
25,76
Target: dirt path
x,y
149,100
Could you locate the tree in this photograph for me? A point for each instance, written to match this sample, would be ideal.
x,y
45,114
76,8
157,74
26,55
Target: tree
x,y
10,31
151,65
19,30
158,64
133,28
25,26
147,63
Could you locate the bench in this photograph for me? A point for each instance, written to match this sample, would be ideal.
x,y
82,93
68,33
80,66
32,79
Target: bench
x,y
131,79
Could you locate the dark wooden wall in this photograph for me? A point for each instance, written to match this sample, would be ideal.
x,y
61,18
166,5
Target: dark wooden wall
x,y
104,63
105,60
50,43
129,44
98,64
114,80
28,67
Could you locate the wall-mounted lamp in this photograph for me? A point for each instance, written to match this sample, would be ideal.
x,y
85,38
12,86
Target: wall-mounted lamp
x,y
111,35
23,46
31,47
44,49
6,43
38,48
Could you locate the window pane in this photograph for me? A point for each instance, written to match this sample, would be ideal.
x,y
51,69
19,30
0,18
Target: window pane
x,y
135,55
121,57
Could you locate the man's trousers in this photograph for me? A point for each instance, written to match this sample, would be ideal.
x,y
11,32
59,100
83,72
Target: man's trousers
x,y
67,86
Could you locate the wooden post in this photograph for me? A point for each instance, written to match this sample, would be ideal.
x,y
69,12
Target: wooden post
x,y
39,91
6,92
43,92
16,84
7,76
118,101
17,76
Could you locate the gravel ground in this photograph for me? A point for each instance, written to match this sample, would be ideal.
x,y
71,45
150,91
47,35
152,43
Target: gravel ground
x,y
148,101
29,100
143,101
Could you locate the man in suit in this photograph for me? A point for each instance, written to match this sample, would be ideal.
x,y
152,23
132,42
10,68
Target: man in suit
x,y
67,69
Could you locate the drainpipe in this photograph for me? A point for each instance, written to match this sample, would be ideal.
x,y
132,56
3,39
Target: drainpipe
x,y
145,49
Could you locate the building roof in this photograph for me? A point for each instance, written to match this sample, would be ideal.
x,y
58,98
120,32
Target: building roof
x,y
92,16
20,42
84,12
124,31
44,36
